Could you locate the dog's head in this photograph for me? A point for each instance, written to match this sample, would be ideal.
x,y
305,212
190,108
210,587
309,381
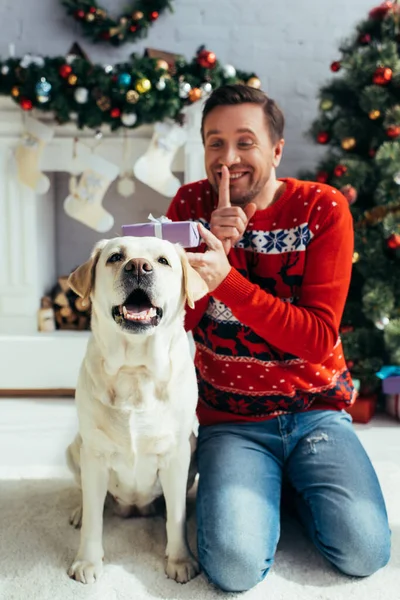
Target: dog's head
x,y
138,283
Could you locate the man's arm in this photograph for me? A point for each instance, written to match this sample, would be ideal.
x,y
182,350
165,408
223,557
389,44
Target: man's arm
x,y
193,315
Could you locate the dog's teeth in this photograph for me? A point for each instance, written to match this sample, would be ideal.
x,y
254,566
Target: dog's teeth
x,y
124,311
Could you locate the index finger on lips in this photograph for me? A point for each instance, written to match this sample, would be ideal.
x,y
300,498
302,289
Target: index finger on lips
x,y
224,200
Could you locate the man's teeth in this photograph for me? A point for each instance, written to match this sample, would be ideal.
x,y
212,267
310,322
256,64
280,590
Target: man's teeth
x,y
144,315
235,175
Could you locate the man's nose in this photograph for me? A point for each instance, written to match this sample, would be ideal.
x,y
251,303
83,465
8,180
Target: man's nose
x,y
230,156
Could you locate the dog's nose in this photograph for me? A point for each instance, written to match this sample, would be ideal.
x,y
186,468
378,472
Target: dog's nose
x,y
139,266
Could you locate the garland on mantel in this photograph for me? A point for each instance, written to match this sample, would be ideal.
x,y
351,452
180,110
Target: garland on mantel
x,y
142,91
129,26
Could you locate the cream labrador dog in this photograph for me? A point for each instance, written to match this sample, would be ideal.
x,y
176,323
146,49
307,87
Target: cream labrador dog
x,y
136,394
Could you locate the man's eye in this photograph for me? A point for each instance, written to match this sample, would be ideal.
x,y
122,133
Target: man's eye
x,y
163,261
246,143
117,257
215,144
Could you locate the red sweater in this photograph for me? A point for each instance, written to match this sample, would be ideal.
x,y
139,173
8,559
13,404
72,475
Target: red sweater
x,y
267,339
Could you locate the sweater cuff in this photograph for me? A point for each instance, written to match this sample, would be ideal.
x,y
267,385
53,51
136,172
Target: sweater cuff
x,y
234,289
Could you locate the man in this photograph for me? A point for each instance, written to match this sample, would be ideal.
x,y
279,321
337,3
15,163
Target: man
x,y
273,382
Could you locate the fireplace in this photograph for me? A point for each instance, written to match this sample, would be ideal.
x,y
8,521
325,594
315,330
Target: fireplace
x,y
31,360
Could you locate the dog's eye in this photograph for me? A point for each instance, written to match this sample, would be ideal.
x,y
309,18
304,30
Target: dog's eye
x,y
163,261
117,257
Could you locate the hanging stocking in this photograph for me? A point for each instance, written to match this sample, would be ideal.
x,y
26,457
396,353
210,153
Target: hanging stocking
x,y
28,153
85,202
154,167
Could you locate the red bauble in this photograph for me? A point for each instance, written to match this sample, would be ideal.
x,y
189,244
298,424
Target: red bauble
x,y
379,12
65,71
93,10
322,176
323,137
350,193
335,66
206,59
115,113
133,28
393,131
382,76
340,170
364,38
79,14
154,15
393,241
26,104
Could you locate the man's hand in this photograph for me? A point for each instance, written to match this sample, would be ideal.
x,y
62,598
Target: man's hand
x,y
228,223
212,265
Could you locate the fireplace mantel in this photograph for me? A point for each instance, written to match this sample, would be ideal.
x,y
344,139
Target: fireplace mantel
x,y
30,360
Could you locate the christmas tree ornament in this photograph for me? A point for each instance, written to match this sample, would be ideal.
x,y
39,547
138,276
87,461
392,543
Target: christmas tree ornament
x,y
28,154
340,170
396,178
382,76
393,241
154,167
161,84
379,12
72,79
323,137
85,204
374,114
43,99
229,71
115,113
81,95
26,104
143,85
206,59
393,131
162,65
108,69
184,89
43,87
326,104
206,88
104,103
322,176
348,143
128,119
356,257
350,193
336,66
65,71
154,15
137,15
15,91
364,39
194,94
5,69
382,323
254,82
124,80
132,96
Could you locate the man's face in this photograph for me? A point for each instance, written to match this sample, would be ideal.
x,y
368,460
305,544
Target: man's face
x,y
237,136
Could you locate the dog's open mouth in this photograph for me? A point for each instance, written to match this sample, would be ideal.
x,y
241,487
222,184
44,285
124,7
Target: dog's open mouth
x,y
137,312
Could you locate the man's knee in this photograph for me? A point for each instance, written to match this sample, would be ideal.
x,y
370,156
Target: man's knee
x,y
234,569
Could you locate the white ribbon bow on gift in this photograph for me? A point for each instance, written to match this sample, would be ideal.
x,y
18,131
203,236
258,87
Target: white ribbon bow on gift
x,y
158,224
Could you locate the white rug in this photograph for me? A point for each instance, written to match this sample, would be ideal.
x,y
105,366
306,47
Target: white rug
x,y
37,545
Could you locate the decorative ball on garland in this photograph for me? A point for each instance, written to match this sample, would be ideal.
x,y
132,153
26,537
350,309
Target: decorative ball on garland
x,y
323,137
393,131
26,104
65,71
393,241
143,85
340,170
322,177
382,76
206,59
379,12
364,39
336,66
81,95
195,94
348,143
350,193
128,119
254,82
133,24
229,71
374,114
326,104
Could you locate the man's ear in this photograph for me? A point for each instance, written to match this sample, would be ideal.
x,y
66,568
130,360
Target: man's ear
x,y
194,286
81,281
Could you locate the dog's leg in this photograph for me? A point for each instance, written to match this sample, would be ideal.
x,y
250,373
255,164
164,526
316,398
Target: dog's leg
x,y
88,563
181,565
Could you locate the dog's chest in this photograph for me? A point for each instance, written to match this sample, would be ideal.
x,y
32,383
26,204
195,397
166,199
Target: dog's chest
x,y
137,388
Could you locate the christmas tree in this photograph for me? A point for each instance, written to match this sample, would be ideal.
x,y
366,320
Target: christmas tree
x,y
359,122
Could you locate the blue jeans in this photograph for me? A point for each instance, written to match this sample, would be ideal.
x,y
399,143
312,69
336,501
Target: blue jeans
x,y
336,492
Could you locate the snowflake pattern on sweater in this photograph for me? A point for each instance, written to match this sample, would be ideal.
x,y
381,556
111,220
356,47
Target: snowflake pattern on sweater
x,y
267,339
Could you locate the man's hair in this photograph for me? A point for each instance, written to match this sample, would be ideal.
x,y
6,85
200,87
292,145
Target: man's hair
x,y
229,95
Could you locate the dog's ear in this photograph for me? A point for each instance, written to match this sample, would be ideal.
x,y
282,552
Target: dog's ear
x,y
81,281
194,285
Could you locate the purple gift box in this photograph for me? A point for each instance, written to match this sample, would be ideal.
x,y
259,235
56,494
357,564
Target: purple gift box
x,y
391,385
185,233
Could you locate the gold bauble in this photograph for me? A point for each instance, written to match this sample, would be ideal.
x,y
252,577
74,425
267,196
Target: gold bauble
x,y
356,257
137,15
348,143
90,17
15,91
326,104
254,82
374,114
143,85
101,13
162,64
132,96
123,20
104,103
72,79
195,94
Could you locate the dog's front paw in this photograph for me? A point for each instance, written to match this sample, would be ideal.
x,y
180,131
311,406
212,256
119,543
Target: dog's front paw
x,y
183,569
85,571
